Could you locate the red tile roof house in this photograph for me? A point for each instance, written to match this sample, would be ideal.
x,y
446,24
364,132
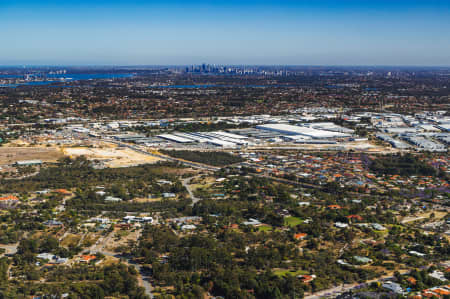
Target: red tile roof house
x,y
87,258
9,198
300,236
8,201
411,280
357,217
334,207
62,191
307,278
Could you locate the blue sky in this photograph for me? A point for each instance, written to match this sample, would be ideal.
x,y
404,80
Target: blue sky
x,y
315,32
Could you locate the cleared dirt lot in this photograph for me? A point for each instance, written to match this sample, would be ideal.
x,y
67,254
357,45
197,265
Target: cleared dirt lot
x,y
112,156
10,155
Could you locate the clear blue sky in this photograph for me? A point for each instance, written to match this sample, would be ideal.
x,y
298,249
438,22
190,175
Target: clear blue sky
x,y
315,32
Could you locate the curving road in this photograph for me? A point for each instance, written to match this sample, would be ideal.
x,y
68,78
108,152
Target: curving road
x,y
143,278
186,185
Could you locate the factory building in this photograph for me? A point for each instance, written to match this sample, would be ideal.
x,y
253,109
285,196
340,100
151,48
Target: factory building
x,y
175,138
425,144
304,131
218,138
394,142
328,126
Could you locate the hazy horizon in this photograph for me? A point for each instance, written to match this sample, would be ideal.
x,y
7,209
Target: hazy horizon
x,y
112,65
319,33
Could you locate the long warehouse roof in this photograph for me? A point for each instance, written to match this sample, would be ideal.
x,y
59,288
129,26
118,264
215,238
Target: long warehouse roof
x,y
175,138
296,130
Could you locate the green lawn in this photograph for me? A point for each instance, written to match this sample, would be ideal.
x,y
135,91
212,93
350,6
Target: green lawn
x,y
284,272
264,228
292,221
381,233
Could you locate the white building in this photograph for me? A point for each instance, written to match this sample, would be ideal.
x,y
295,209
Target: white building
x,y
304,131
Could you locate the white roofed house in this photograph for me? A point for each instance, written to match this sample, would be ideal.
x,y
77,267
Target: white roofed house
x,y
29,162
129,219
133,219
341,225
112,199
188,227
164,182
169,195
52,259
53,223
45,256
392,286
416,253
113,125
185,220
252,222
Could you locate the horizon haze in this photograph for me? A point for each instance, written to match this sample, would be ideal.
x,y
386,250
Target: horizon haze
x,y
349,33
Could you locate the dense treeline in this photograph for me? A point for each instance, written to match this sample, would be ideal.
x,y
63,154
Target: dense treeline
x,y
79,173
404,165
94,207
227,266
28,248
116,280
212,158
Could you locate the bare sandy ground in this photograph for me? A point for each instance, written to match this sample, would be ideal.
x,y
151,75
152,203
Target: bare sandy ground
x,y
12,154
112,156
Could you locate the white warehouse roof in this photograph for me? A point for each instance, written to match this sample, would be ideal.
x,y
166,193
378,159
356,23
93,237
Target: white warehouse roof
x,y
296,130
175,138
230,135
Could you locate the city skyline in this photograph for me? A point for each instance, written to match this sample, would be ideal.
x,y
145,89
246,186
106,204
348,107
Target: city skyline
x,y
228,33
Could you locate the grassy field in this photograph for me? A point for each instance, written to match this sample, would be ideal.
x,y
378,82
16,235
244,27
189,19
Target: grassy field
x,y
292,221
121,233
285,272
90,239
264,228
70,240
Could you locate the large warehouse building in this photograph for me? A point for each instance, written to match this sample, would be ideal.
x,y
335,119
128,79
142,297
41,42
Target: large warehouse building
x,y
303,131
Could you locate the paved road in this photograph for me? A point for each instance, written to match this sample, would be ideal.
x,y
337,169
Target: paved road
x,y
333,292
10,248
408,219
186,185
307,185
143,278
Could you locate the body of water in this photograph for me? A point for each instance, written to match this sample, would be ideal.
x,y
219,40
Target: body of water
x,y
54,78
